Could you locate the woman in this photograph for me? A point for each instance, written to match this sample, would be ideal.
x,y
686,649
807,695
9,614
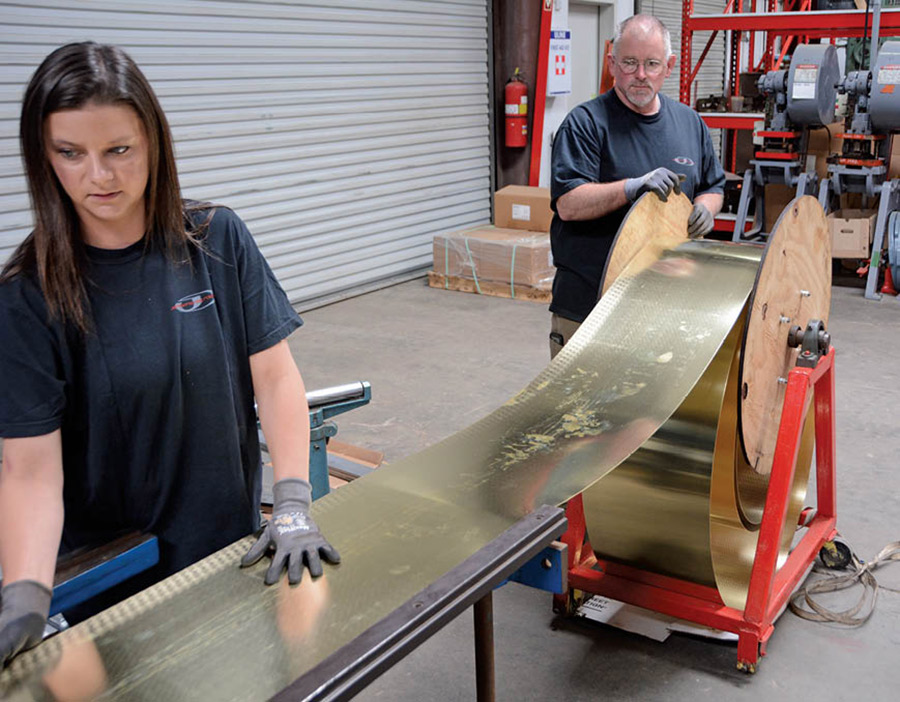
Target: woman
x,y
137,331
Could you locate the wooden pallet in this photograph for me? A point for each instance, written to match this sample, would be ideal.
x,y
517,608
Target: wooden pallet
x,y
488,287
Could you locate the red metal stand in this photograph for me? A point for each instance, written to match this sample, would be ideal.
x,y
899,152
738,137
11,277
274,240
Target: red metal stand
x,y
769,588
540,94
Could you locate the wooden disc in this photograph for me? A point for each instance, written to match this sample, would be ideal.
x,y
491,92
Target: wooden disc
x,y
649,218
793,286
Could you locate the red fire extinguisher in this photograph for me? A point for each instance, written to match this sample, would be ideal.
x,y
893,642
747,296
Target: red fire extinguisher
x,y
516,101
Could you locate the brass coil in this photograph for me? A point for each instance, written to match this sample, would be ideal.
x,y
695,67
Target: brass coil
x,y
687,504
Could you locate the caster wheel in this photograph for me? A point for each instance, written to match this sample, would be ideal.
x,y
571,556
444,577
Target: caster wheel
x,y
835,555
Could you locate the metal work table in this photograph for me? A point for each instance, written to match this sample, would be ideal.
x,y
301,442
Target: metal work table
x,y
352,667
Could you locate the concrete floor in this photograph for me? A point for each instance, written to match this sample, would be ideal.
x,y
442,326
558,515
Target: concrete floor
x,y
439,361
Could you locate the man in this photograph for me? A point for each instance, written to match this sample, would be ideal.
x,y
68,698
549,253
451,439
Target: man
x,y
611,150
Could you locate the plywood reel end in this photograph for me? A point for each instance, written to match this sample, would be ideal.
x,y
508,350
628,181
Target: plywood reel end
x,y
649,219
793,288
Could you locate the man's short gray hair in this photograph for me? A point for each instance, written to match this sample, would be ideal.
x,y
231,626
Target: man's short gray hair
x,y
646,20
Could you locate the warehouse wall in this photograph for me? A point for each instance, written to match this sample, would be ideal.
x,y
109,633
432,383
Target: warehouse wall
x,y
345,133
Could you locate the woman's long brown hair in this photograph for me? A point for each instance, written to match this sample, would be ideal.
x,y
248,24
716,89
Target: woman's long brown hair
x,y
71,77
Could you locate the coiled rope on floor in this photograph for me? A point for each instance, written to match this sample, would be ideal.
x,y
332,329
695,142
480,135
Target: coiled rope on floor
x,y
863,574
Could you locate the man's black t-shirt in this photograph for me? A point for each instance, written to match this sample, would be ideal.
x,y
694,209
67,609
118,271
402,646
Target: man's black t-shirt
x,y
155,404
603,141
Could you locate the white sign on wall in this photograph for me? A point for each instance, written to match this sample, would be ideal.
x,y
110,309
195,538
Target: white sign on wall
x,y
559,69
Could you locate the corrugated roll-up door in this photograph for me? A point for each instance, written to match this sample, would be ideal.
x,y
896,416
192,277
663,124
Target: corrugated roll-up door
x,y
346,133
711,78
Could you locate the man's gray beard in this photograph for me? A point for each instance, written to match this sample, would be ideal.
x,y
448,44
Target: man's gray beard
x,y
638,99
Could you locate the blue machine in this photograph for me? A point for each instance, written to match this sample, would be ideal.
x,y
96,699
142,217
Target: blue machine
x,y
323,405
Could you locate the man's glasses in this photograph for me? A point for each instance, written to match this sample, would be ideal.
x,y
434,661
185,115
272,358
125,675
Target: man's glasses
x,y
652,67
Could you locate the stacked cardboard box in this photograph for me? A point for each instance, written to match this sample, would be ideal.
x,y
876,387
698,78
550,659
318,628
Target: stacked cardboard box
x,y
508,256
510,259
523,207
851,232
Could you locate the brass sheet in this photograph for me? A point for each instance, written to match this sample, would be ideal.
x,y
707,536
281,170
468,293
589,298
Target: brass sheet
x,y
653,511
215,632
674,506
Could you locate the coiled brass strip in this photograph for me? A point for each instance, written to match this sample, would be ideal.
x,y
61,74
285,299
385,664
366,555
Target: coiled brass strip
x,y
214,631
653,510
688,503
673,508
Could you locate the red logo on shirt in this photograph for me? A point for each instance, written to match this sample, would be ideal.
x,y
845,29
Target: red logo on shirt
x,y
195,301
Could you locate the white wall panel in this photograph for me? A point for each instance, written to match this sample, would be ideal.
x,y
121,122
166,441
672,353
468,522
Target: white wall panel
x,y
346,134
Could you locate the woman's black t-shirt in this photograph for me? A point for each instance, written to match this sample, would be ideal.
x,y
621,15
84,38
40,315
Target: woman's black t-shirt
x,y
155,404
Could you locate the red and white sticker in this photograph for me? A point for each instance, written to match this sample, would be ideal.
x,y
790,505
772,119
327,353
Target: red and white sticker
x,y
889,74
805,77
560,63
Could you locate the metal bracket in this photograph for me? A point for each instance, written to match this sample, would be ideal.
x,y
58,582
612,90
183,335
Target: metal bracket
x,y
548,571
322,432
755,180
814,342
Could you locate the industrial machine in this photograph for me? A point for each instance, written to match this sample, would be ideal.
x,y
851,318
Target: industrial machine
x,y
873,112
614,547
797,99
323,405
862,166
771,581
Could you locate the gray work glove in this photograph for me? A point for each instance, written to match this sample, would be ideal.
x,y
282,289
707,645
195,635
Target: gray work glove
x,y
700,223
294,535
662,181
24,606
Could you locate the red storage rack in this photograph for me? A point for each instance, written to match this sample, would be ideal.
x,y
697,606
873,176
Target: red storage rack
x,y
796,24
